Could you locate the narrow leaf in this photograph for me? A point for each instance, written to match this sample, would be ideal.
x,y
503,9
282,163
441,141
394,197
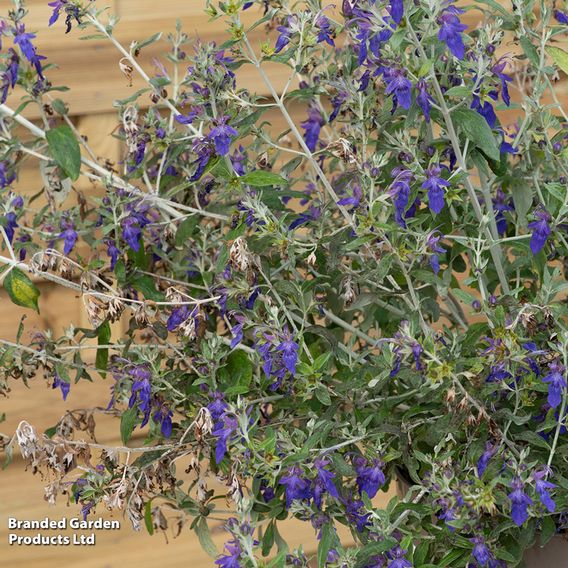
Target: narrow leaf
x,y
476,129
260,178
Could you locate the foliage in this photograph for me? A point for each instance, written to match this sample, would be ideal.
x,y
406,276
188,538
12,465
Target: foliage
x,y
375,294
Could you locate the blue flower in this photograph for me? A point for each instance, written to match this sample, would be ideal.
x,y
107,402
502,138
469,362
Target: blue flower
x,y
486,456
561,17
323,482
396,10
297,487
131,232
497,70
485,109
230,560
285,32
312,127
10,225
71,10
435,186
432,243
69,236
63,385
480,552
113,253
398,86
423,98
224,430
177,317
541,230
370,476
451,30
355,198
24,41
556,384
141,391
164,417
325,32
400,192
519,502
218,406
500,205
398,560
289,349
543,487
221,135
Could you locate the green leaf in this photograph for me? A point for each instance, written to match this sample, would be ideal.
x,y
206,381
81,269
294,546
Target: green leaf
x,y
476,129
559,56
65,150
547,531
260,178
145,284
238,371
373,549
185,230
268,539
101,360
325,543
127,423
22,291
204,536
148,517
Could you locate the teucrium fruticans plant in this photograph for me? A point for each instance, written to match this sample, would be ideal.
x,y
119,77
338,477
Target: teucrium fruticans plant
x,y
374,293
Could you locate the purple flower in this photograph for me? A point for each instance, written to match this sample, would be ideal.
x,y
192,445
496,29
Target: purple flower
x,y
164,417
556,384
69,236
325,32
497,70
131,232
400,192
561,17
451,29
354,513
423,98
370,477
10,225
289,349
113,253
238,335
323,482
337,102
141,391
72,12
24,41
187,118
230,560
221,135
218,407
480,551
63,385
355,198
396,10
519,502
435,186
297,487
398,86
486,456
398,560
312,127
541,230
500,205
542,487
285,34
177,317
485,109
224,430
432,243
